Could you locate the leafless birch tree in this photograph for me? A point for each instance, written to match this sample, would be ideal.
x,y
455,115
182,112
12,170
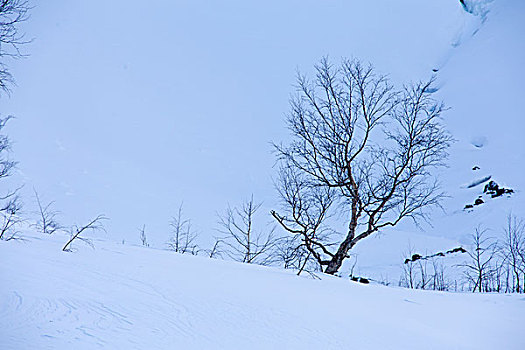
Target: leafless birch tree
x,y
362,150
47,221
479,268
143,237
183,237
245,242
514,253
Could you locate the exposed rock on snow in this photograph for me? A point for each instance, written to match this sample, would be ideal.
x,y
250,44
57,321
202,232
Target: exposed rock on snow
x,y
494,190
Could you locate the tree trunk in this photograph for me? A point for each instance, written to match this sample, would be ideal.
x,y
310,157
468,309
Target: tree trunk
x,y
337,260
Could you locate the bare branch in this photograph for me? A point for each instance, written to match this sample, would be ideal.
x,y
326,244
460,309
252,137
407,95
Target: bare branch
x,y
95,224
47,222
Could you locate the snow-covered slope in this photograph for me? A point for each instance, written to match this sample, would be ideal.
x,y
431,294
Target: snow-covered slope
x,y
482,83
480,78
129,297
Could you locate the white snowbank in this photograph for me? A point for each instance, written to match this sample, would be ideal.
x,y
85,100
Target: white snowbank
x,y
128,297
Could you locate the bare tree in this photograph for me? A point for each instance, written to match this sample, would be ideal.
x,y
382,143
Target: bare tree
x,y
479,269
183,238
95,224
143,238
47,221
246,244
408,277
12,13
360,149
498,279
514,252
424,278
10,203
439,277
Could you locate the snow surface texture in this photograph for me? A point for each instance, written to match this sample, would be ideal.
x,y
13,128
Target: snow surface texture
x,y
129,297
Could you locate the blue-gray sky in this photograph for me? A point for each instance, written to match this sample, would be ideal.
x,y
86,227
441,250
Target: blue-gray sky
x,y
129,108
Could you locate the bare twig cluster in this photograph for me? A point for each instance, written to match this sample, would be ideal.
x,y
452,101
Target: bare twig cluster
x,y
242,240
10,202
47,221
497,265
427,272
183,238
12,13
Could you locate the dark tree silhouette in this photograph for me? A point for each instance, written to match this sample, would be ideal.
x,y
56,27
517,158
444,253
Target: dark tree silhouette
x,y
360,149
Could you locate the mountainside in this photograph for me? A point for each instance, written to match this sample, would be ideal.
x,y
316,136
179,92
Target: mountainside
x,y
480,79
482,83
129,297
131,110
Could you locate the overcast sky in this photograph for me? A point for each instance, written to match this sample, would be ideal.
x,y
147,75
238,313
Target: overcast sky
x,y
129,108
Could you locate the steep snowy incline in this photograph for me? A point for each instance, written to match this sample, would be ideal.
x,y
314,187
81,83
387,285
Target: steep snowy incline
x,y
482,83
481,79
128,297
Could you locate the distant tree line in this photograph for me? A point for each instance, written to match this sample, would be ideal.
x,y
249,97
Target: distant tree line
x,y
492,265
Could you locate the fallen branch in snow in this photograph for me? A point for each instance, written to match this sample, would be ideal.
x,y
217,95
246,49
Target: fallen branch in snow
x,y
76,231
